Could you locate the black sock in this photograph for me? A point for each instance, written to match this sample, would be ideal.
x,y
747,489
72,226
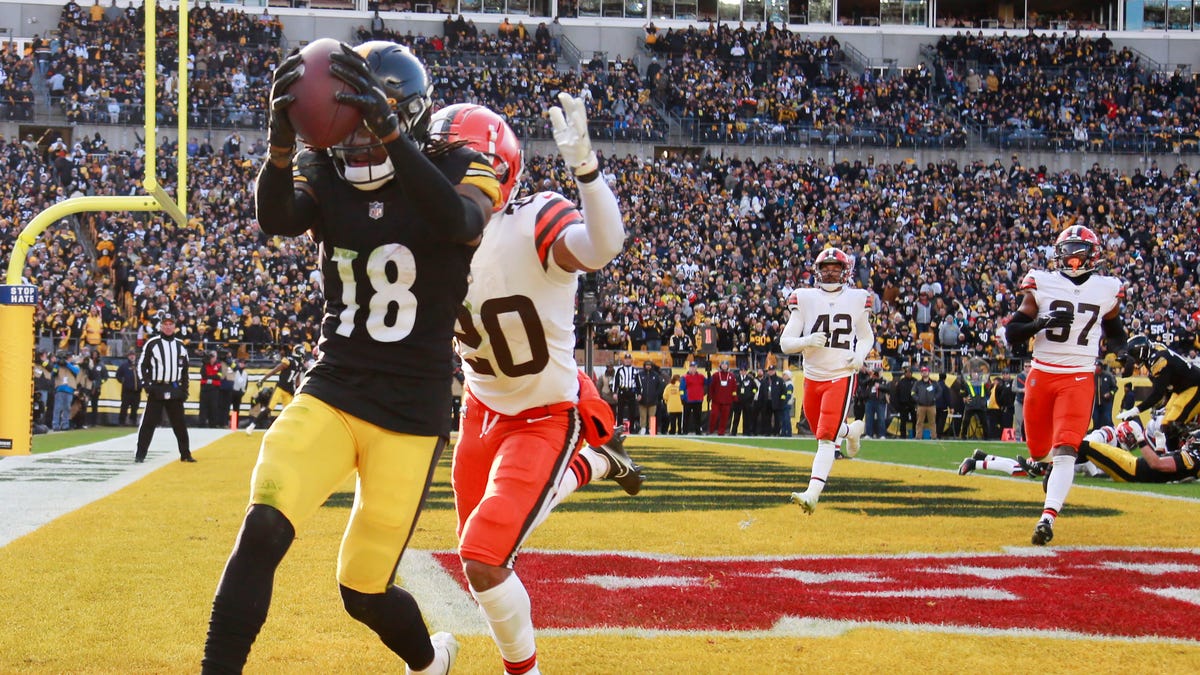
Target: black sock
x,y
396,618
244,594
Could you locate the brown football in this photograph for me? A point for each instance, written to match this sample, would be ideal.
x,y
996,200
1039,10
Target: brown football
x,y
319,120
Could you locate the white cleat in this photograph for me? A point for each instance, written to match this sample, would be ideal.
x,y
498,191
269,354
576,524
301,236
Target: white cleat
x,y
250,429
854,438
807,502
445,650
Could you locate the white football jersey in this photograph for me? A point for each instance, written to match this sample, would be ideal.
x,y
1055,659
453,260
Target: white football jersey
x,y
516,329
1074,349
845,318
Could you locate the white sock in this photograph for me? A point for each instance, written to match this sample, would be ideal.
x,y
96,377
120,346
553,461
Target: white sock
x,y
841,434
570,482
994,463
1058,485
821,466
507,611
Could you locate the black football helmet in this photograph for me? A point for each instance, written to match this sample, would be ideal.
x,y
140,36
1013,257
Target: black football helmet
x,y
361,158
1137,350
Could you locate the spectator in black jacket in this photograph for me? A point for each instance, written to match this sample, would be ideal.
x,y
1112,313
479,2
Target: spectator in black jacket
x,y
743,406
652,386
131,396
903,402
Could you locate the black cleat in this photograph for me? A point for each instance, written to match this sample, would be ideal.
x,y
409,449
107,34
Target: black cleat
x,y
1034,469
189,458
138,460
1043,532
622,468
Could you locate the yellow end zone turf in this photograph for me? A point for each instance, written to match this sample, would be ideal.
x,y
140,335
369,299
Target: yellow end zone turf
x,y
124,585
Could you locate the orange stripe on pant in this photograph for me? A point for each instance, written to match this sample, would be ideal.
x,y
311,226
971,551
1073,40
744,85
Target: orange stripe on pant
x,y
506,473
826,404
1058,410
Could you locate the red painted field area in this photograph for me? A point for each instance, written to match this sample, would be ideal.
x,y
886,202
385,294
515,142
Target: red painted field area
x,y
1107,592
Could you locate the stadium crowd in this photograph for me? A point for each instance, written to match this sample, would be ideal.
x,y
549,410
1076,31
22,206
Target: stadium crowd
x,y
725,83
714,242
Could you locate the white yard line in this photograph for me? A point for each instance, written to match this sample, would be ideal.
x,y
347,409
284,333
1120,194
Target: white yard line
x,y
36,489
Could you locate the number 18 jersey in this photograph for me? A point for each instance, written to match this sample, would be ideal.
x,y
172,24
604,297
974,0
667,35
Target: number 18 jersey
x,y
516,330
1073,349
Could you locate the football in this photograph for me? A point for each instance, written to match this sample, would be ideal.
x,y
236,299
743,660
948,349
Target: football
x,y
319,120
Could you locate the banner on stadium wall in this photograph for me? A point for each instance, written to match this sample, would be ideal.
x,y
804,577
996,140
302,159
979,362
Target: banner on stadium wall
x,y
17,303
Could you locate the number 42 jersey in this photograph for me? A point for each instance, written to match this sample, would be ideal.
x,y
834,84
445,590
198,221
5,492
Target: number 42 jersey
x,y
516,329
845,318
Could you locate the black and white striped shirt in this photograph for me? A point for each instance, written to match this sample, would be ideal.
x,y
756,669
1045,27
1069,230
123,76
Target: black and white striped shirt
x,y
627,379
164,360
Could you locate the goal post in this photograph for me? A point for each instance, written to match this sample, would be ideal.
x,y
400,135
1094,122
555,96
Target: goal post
x,y
18,298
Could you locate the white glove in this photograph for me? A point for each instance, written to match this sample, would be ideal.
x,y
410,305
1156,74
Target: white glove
x,y
571,134
817,339
853,362
1128,414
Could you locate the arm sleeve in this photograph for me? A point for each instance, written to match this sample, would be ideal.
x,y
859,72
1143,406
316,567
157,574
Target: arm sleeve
x,y
1114,333
1020,328
457,217
281,207
790,337
865,334
603,234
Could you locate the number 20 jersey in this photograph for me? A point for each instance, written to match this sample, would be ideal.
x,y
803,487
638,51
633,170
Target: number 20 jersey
x,y
1073,350
516,331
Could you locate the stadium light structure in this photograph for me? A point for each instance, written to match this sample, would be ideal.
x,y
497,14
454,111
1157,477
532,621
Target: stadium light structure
x,y
18,298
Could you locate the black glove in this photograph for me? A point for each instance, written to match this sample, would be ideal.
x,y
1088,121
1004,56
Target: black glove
x,y
1058,318
280,134
350,67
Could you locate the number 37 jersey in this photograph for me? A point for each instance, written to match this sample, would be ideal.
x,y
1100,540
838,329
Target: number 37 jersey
x,y
1073,349
516,330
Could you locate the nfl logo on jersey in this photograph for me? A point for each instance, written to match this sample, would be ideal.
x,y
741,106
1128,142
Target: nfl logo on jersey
x,y
375,210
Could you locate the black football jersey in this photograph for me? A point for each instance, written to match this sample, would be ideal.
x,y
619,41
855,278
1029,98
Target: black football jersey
x,y
1170,373
393,285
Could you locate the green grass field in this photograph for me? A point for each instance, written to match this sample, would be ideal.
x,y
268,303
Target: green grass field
x,y
906,567
948,454
69,439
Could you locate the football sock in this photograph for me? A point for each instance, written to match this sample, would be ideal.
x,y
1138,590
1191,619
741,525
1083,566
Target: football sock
x,y
994,463
507,611
585,466
396,619
821,466
1058,485
244,593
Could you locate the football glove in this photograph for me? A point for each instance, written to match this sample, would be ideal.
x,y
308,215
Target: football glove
x,y
1058,318
854,362
280,134
1129,414
368,97
817,339
571,135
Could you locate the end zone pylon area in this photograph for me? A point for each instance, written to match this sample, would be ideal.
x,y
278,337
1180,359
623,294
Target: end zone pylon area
x,y
708,570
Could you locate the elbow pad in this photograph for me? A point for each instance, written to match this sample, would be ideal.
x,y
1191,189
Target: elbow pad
x,y
1114,333
1020,328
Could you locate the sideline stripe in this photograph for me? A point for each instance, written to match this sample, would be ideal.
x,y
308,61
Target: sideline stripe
x,y
40,488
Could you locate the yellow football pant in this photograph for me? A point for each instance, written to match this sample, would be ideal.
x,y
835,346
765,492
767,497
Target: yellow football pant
x,y
313,448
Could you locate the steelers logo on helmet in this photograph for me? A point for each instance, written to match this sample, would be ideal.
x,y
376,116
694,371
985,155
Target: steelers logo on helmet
x,y
833,268
488,134
1077,251
361,159
1138,350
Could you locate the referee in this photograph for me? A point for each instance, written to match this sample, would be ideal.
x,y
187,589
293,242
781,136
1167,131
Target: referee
x,y
164,370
